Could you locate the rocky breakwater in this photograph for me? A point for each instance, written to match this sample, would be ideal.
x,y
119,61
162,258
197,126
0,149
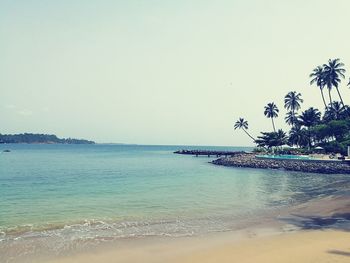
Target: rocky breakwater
x,y
317,166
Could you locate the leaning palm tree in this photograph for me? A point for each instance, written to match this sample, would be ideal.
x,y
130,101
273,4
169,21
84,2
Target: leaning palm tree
x,y
317,77
292,102
271,111
243,124
333,71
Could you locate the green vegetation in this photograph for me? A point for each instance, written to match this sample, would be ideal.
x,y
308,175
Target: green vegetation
x,y
311,128
39,138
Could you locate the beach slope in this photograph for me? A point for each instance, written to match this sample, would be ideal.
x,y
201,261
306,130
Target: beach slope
x,y
302,247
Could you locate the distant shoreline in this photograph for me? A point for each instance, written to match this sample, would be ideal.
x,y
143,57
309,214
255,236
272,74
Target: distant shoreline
x,y
35,138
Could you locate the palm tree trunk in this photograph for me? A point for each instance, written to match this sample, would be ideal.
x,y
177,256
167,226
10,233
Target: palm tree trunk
x,y
330,98
273,125
342,102
249,135
309,135
341,99
324,101
293,124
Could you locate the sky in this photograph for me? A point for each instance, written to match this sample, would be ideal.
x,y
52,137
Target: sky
x,y
162,72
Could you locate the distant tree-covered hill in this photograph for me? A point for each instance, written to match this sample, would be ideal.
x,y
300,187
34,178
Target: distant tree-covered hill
x,y
39,138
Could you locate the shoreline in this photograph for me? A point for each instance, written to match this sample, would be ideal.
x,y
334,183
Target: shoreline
x,y
318,228
248,160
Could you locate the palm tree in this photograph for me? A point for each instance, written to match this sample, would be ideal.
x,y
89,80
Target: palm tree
x,y
281,137
292,102
309,118
243,124
291,118
298,136
271,111
271,139
317,77
335,112
333,71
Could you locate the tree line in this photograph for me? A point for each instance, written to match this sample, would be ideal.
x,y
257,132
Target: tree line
x,y
39,138
329,129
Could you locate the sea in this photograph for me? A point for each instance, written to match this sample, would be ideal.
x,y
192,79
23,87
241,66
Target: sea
x,y
57,198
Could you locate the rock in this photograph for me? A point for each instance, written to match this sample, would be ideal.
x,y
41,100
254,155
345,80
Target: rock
x,y
249,160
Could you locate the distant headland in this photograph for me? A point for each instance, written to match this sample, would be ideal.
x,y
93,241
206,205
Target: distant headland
x,y
40,139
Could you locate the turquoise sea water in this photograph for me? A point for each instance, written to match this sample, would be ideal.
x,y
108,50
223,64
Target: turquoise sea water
x,y
60,193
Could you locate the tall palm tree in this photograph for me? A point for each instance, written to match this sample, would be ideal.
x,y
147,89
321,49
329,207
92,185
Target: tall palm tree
x,y
243,124
271,111
292,102
317,77
333,71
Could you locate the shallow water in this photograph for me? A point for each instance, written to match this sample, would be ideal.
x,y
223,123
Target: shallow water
x,y
61,195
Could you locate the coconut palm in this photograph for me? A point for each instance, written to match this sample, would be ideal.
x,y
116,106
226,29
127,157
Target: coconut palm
x,y
298,136
333,71
271,111
291,118
272,139
335,112
309,118
292,102
317,77
281,137
243,124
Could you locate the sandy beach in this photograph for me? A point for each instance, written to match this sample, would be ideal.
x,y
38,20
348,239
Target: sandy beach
x,y
305,246
316,232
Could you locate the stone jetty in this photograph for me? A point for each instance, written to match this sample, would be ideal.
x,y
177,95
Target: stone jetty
x,y
317,166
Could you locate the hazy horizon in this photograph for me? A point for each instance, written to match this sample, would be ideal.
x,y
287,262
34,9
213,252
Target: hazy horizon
x,y
162,72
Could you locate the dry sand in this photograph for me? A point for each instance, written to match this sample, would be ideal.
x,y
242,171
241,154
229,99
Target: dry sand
x,y
304,246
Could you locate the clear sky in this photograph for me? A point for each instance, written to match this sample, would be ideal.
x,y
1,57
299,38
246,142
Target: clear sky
x,y
162,72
